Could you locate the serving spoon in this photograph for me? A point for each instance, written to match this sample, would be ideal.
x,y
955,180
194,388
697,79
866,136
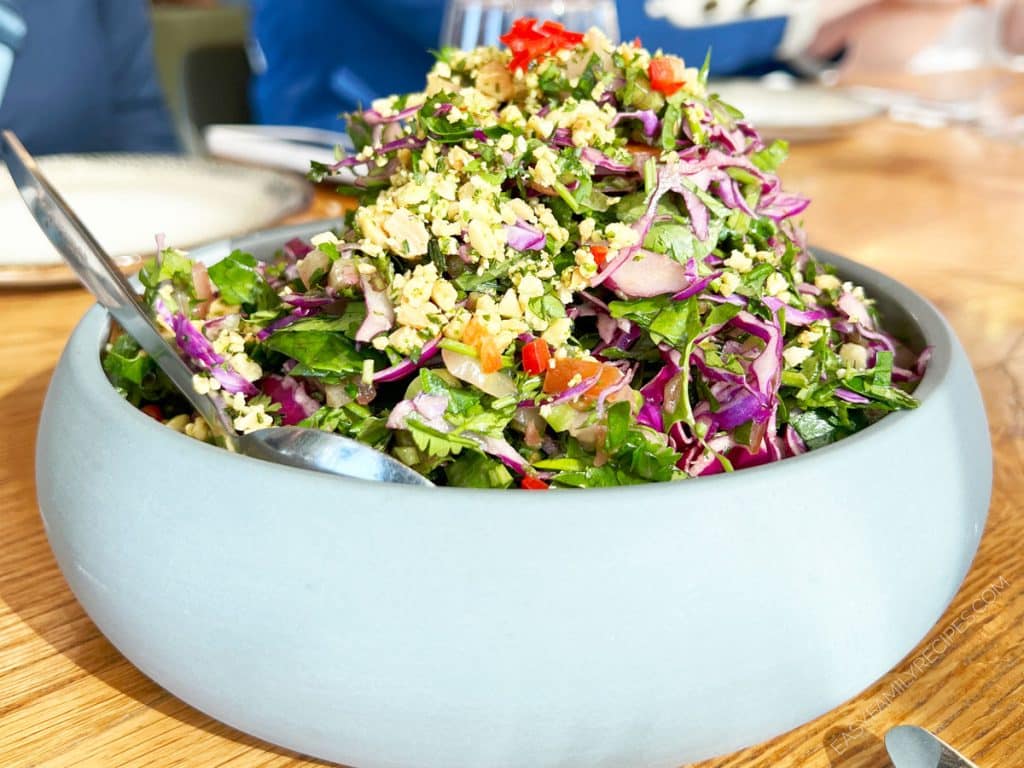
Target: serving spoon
x,y
295,446
910,746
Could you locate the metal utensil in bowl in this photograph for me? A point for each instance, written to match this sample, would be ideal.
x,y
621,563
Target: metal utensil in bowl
x,y
910,746
294,446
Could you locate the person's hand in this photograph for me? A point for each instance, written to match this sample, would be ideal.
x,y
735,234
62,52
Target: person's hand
x,y
882,34
1013,28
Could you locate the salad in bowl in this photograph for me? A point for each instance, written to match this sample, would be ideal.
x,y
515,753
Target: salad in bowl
x,y
570,265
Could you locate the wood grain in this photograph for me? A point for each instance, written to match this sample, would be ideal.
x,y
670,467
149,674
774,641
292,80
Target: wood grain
x,y
941,210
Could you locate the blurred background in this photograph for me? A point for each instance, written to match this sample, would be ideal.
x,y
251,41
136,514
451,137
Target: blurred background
x,y
134,75
264,83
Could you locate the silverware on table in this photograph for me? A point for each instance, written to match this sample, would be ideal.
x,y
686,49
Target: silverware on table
x,y
298,447
911,746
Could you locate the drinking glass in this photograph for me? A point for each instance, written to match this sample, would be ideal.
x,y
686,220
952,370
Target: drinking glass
x,y
469,23
12,34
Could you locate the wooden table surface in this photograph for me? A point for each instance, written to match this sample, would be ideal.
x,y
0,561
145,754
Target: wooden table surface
x,y
941,210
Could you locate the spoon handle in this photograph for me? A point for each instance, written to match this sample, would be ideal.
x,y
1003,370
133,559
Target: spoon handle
x,y
100,275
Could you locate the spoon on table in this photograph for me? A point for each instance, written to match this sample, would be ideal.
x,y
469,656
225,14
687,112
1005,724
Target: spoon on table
x,y
294,446
910,746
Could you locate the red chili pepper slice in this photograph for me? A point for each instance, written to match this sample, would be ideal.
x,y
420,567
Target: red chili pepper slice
x,y
153,410
531,483
528,43
536,357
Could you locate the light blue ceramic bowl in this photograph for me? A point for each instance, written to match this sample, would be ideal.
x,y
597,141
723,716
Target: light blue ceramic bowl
x,y
391,627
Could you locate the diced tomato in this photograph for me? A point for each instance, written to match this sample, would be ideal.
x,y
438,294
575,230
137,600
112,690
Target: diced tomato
x,y
475,335
600,253
666,74
528,43
557,379
473,332
637,43
536,357
532,483
152,410
490,355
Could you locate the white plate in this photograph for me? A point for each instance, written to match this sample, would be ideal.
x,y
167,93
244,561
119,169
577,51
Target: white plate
x,y
786,109
125,200
287,147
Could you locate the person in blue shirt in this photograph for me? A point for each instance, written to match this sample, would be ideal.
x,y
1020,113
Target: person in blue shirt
x,y
377,47
80,77
318,58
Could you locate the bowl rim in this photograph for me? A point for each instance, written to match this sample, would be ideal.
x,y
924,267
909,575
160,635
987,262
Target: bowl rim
x,y
934,330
